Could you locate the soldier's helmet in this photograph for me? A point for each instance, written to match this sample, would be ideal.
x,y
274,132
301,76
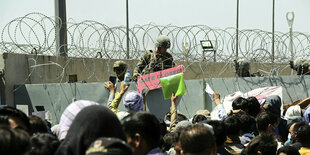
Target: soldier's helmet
x,y
300,62
243,64
163,41
119,65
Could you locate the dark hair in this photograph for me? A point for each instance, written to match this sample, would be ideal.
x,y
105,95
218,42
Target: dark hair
x,y
247,123
146,124
37,125
198,118
18,116
298,125
44,143
163,131
14,141
4,120
290,122
288,150
197,139
169,140
232,125
264,119
303,135
253,106
219,131
240,103
265,143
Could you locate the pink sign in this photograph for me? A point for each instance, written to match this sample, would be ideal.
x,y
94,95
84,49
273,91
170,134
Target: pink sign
x,y
152,81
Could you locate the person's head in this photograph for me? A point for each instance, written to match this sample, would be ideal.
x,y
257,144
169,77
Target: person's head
x,y
264,144
307,115
247,123
44,143
287,150
17,118
142,130
182,125
180,118
37,125
293,111
90,123
303,135
243,68
240,103
266,122
14,141
120,67
133,101
232,125
162,43
273,105
293,130
68,116
253,106
301,65
198,139
219,132
108,146
201,115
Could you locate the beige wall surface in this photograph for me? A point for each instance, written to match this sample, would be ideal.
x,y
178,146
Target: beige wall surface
x,y
37,69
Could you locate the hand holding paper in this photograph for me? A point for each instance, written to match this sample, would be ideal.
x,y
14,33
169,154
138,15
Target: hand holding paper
x,y
172,84
209,89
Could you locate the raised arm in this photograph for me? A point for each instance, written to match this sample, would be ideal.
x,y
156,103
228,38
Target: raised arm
x,y
118,97
111,87
173,112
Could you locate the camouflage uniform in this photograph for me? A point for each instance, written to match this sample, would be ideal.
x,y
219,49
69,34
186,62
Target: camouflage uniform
x,y
301,65
155,61
242,67
152,62
120,67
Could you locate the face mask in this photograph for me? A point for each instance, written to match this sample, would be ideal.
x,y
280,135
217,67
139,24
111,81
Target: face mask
x,y
289,137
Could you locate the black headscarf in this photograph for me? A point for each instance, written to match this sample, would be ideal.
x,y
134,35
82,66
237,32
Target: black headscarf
x,y
91,123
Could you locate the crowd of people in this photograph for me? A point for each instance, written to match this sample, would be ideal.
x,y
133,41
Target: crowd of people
x,y
268,127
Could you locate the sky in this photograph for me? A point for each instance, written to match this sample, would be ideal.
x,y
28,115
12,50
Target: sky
x,y
254,14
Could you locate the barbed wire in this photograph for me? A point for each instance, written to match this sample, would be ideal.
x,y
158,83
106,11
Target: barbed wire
x,y
35,33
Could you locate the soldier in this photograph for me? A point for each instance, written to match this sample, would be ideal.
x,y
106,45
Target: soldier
x,y
242,67
301,65
120,68
155,61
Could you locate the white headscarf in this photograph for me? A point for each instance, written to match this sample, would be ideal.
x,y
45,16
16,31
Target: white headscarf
x,y
69,114
292,111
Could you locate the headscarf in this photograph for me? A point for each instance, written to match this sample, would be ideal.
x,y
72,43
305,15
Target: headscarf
x,y
273,105
133,101
306,115
292,111
90,123
69,114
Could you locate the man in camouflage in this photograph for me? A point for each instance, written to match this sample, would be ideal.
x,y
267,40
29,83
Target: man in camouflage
x,y
242,67
155,61
120,67
301,65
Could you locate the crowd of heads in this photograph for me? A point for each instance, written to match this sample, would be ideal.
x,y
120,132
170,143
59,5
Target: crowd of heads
x,y
87,127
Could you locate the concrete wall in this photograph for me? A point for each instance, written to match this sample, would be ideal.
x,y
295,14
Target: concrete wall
x,y
56,97
36,69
